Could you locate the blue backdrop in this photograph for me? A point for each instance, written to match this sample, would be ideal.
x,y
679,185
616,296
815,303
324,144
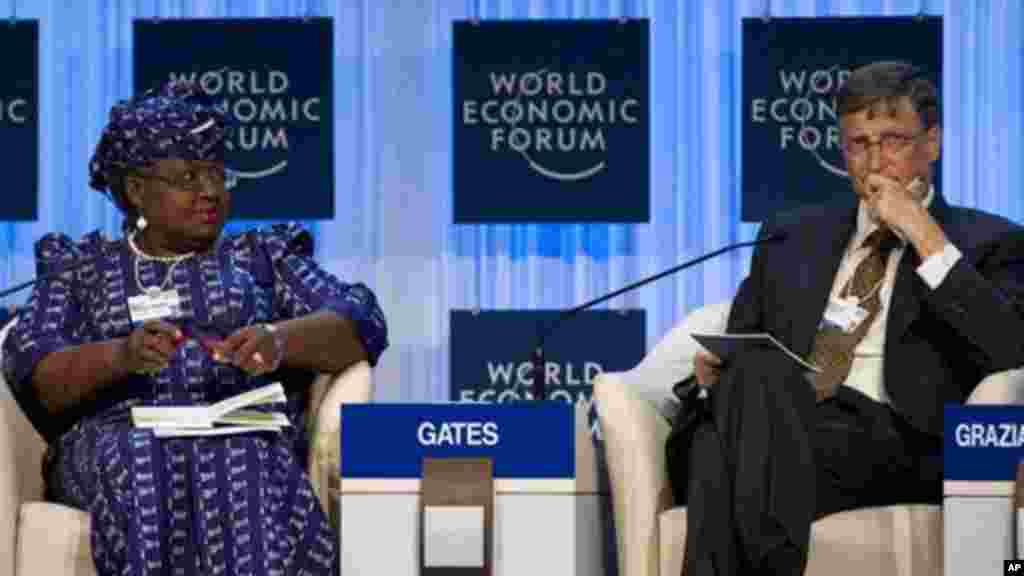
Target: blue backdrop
x,y
792,67
392,88
280,149
19,122
552,130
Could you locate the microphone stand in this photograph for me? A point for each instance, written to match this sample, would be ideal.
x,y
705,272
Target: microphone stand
x,y
538,369
7,292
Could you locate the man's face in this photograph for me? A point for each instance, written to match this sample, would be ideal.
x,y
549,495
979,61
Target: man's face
x,y
888,139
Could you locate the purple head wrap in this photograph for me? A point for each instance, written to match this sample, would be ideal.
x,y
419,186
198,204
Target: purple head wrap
x,y
176,121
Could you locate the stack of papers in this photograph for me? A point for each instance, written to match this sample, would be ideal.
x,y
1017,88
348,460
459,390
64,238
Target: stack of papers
x,y
229,416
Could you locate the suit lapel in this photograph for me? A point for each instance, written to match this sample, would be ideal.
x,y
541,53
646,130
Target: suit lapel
x,y
907,293
826,245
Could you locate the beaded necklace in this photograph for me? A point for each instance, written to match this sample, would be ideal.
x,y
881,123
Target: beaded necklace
x,y
140,255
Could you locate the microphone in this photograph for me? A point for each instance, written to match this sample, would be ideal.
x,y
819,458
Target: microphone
x,y
537,369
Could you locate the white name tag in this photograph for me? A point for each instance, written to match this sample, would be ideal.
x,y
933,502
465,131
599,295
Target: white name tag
x,y
845,314
154,305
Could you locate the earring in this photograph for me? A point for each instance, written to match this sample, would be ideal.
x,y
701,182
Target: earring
x,y
140,223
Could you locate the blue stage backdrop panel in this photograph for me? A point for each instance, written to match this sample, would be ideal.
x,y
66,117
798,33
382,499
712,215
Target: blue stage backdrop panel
x,y
551,121
491,352
791,69
280,155
19,119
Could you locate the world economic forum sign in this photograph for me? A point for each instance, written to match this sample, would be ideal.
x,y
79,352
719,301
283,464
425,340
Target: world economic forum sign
x,y
491,353
792,68
280,148
19,119
551,121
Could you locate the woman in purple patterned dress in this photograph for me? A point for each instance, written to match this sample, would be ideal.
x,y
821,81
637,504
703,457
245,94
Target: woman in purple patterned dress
x,y
175,314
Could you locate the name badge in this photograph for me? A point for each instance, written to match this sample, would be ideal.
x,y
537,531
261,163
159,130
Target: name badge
x,y
845,314
154,305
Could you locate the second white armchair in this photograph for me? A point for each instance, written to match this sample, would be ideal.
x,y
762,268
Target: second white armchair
x,y
635,408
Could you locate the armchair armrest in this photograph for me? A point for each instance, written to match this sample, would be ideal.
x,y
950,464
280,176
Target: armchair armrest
x,y
671,360
21,477
633,408
329,392
1006,387
634,437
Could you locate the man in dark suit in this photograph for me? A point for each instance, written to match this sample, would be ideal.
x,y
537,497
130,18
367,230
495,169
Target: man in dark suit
x,y
905,302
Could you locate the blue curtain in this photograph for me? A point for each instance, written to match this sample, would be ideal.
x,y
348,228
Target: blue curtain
x,y
393,226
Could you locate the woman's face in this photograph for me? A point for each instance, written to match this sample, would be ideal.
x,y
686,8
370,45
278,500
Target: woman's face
x,y
184,202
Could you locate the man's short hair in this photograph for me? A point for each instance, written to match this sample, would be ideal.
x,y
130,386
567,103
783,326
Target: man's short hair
x,y
878,87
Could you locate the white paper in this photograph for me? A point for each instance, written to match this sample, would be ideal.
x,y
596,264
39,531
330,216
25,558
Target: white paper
x,y
204,420
453,536
254,418
269,394
727,346
171,417
218,431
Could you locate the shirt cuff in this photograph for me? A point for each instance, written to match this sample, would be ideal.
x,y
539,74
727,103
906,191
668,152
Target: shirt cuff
x,y
935,268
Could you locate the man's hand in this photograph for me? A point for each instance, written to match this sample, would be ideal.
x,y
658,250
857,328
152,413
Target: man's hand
x,y
899,207
707,367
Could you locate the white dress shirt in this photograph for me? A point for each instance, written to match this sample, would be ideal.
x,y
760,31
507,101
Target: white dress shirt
x,y
866,372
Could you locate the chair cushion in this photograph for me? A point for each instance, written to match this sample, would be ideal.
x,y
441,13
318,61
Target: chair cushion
x,y
671,360
891,540
53,539
903,539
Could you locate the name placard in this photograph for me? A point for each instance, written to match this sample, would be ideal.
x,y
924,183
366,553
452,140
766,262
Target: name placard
x,y
534,440
983,443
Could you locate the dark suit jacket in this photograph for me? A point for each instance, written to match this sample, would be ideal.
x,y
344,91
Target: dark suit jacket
x,y
938,344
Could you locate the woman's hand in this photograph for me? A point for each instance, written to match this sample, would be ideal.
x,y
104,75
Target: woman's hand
x,y
707,367
148,349
256,349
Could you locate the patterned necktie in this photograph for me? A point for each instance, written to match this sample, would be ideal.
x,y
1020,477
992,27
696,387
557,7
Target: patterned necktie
x,y
833,346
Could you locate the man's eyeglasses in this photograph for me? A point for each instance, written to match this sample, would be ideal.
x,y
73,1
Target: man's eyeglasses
x,y
891,144
191,178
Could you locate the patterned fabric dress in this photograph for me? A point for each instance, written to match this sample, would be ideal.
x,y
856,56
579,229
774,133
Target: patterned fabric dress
x,y
218,505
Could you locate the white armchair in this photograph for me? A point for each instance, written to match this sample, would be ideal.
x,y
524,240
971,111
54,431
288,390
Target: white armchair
x,y
38,537
633,407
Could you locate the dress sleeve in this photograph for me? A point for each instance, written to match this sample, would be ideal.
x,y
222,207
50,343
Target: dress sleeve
x,y
302,287
50,321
